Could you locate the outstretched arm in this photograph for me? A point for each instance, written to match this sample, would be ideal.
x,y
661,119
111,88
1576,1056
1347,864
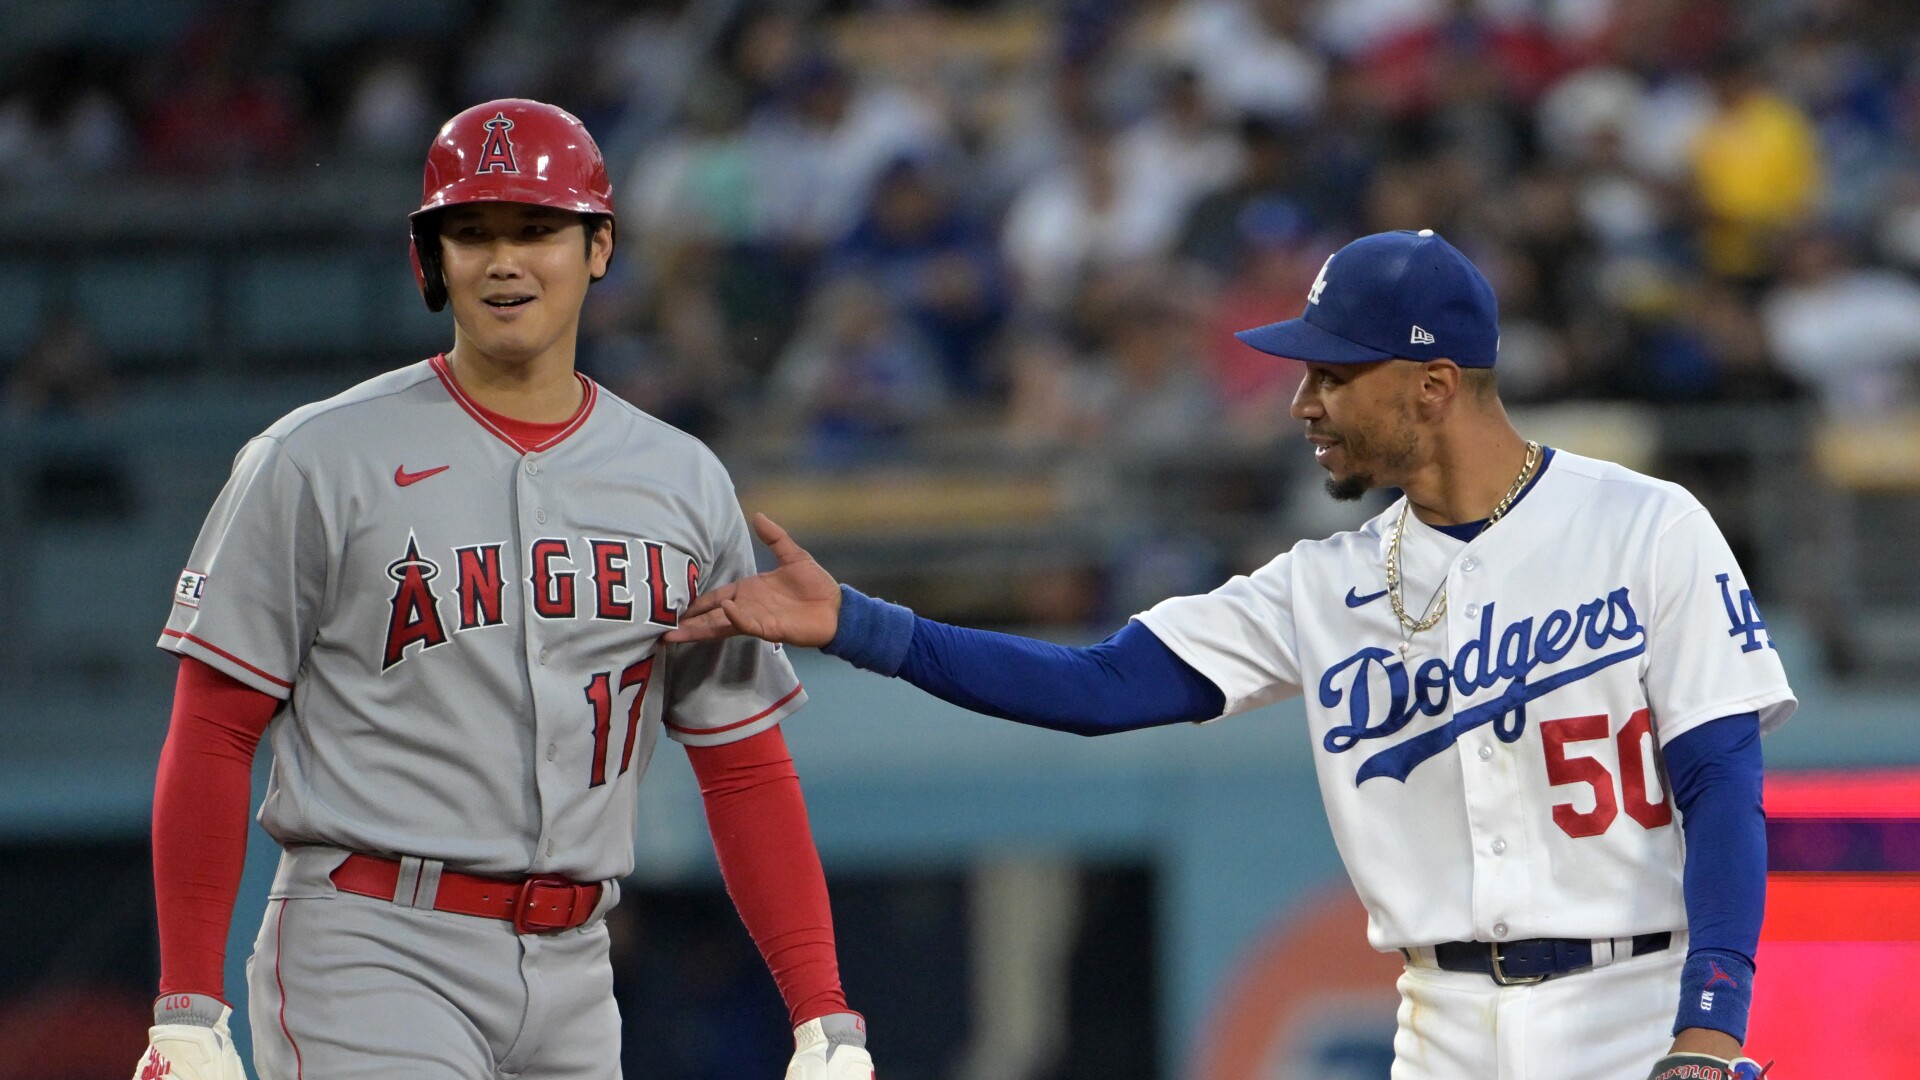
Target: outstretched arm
x,y
1131,680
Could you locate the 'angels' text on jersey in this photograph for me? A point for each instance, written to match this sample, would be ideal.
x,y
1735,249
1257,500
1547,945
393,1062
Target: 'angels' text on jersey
x,y
553,563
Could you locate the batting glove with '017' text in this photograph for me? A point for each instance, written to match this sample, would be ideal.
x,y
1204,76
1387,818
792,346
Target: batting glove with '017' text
x,y
189,1040
832,1047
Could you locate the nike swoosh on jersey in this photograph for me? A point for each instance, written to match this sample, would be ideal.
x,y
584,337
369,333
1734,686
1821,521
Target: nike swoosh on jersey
x,y
402,477
1355,600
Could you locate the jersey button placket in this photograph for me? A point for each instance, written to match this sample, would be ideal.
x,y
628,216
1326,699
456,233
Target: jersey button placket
x,y
553,702
1492,797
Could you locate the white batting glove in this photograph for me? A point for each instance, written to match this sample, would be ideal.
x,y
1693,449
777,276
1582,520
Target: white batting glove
x,y
833,1047
189,1040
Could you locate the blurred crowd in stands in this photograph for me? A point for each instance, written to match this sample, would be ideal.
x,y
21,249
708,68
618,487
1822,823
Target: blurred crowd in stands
x,y
851,221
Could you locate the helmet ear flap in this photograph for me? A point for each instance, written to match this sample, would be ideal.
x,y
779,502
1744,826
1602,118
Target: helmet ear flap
x,y
427,271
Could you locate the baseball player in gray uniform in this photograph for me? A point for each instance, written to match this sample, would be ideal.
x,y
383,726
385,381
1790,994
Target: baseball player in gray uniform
x,y
442,596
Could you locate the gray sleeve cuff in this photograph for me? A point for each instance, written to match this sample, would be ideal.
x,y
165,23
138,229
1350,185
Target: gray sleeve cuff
x,y
873,634
198,1010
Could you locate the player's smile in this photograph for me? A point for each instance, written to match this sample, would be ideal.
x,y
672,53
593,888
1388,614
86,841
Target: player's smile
x,y
1310,403
509,306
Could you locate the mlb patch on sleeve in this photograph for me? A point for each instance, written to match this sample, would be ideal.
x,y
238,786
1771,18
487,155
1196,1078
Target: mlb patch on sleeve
x,y
192,586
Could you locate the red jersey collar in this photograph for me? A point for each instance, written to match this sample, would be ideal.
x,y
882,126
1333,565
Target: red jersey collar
x,y
523,435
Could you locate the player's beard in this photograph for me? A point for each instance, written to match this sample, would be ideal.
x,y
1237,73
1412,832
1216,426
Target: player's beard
x,y
1369,456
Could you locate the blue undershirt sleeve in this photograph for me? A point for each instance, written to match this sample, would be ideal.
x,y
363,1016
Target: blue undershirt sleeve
x,y
1715,771
1131,680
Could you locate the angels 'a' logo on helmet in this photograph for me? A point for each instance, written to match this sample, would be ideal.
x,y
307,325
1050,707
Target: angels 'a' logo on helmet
x,y
496,154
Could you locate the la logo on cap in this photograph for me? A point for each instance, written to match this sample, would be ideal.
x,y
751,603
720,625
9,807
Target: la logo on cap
x,y
1320,281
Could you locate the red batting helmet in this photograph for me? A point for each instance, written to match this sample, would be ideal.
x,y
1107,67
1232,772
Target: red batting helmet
x,y
510,150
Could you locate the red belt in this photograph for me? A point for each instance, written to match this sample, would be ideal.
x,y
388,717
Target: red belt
x,y
546,904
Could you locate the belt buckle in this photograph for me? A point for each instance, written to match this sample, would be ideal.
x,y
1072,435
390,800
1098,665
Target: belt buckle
x,y
1501,977
527,921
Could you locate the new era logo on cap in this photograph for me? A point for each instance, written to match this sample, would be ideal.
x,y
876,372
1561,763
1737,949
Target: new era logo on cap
x,y
1369,289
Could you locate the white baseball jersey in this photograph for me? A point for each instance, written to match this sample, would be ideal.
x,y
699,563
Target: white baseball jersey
x,y
1501,779
468,637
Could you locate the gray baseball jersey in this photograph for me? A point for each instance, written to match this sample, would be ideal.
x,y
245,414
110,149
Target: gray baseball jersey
x,y
468,637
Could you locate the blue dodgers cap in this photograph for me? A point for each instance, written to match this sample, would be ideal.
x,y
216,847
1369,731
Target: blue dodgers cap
x,y
1400,294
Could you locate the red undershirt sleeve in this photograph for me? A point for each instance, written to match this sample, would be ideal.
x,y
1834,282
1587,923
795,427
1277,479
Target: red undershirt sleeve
x,y
758,819
200,799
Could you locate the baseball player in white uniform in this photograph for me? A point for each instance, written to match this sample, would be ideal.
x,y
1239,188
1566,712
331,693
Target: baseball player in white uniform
x,y
442,596
1534,687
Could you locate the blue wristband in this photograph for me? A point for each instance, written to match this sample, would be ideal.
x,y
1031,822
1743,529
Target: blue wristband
x,y
1716,991
873,634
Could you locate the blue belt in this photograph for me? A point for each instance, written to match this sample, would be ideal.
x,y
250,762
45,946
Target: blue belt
x,y
1516,963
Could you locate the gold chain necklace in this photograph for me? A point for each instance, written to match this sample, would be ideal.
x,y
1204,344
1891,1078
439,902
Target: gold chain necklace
x,y
1438,608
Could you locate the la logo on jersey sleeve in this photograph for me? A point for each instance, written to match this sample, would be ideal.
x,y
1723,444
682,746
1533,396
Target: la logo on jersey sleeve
x,y
1744,616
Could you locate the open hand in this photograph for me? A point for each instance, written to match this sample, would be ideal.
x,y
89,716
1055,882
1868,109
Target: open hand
x,y
797,602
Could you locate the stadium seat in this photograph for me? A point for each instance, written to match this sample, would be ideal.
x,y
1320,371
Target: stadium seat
x,y
20,318
146,306
311,302
96,22
329,22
